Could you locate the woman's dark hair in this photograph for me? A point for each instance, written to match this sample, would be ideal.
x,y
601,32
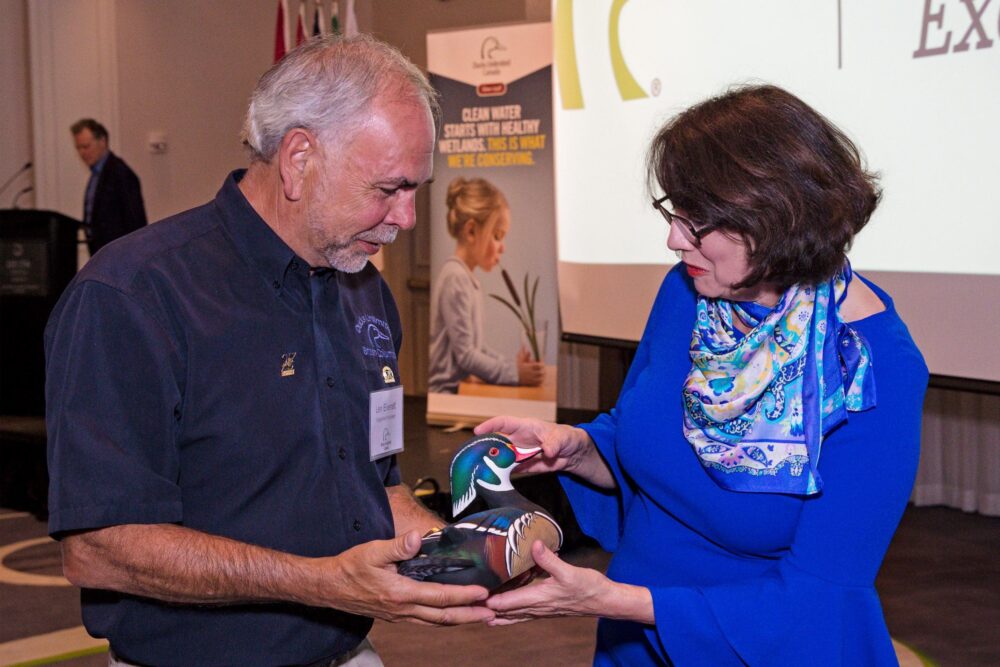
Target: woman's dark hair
x,y
765,166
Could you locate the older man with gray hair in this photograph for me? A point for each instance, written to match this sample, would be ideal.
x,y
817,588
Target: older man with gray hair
x,y
223,398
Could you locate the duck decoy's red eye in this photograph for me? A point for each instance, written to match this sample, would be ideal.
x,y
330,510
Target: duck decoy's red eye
x,y
494,451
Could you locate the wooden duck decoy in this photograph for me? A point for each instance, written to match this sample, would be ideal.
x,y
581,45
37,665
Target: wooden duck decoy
x,y
490,548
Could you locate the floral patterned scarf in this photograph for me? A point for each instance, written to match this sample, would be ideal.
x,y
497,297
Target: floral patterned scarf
x,y
757,406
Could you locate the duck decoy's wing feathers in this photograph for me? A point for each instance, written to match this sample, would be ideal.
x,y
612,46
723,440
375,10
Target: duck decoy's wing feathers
x,y
496,521
527,528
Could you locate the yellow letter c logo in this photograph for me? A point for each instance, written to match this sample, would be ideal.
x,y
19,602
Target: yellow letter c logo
x,y
570,90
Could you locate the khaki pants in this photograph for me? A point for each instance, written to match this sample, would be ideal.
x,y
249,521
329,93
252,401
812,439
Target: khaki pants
x,y
363,655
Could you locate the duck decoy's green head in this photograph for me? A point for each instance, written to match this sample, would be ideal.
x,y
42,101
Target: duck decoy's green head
x,y
484,461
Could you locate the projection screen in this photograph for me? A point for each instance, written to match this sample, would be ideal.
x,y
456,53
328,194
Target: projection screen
x,y
914,84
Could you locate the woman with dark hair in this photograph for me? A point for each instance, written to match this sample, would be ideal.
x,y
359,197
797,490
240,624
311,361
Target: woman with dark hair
x,y
750,478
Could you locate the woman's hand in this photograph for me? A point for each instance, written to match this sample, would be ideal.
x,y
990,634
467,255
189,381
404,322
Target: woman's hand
x,y
530,373
564,448
570,591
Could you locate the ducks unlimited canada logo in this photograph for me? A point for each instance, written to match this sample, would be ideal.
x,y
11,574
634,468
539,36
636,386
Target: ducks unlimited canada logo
x,y
492,60
492,63
375,336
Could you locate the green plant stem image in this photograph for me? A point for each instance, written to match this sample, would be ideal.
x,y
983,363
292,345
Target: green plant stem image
x,y
523,308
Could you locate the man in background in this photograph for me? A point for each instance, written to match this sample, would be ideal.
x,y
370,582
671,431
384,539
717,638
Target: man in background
x,y
220,384
112,203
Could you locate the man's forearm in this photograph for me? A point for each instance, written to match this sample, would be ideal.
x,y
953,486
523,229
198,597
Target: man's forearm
x,y
178,564
408,513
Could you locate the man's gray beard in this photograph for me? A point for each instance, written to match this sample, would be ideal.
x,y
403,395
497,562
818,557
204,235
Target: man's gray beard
x,y
343,258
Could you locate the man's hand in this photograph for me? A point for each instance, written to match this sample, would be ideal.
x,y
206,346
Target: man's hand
x,y
363,580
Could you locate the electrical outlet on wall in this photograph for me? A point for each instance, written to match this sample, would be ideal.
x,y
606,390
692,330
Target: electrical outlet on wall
x,y
157,142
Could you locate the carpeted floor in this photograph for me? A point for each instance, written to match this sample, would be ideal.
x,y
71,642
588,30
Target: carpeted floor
x,y
940,588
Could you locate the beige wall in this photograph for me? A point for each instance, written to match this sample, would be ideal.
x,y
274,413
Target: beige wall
x,y
15,109
186,68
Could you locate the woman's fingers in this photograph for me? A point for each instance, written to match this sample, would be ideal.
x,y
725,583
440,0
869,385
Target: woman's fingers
x,y
547,559
519,600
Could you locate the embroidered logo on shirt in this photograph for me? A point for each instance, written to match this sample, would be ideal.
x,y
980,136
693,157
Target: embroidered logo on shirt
x,y
288,364
387,375
377,341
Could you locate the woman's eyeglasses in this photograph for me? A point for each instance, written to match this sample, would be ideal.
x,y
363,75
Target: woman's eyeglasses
x,y
693,234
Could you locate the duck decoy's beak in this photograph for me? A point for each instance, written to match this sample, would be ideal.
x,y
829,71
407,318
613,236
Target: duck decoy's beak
x,y
524,453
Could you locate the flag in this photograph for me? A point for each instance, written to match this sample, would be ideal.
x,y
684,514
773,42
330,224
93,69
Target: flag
x,y
300,24
280,37
334,17
350,20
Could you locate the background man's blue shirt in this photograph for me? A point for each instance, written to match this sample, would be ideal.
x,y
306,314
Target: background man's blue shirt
x,y
88,195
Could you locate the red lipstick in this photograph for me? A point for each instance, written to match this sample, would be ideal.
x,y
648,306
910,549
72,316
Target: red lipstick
x,y
695,271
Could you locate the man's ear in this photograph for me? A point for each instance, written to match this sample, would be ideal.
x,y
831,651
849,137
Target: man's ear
x,y
298,148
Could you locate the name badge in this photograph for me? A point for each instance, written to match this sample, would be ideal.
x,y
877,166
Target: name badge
x,y
385,422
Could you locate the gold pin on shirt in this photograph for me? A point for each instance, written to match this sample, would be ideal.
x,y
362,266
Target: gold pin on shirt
x,y
387,375
288,364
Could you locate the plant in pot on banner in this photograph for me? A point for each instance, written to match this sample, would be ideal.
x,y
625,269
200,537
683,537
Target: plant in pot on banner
x,y
523,307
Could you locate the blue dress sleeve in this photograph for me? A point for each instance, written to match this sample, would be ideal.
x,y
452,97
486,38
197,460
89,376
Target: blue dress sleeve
x,y
817,603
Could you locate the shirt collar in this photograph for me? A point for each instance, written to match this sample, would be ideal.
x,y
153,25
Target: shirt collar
x,y
252,236
99,165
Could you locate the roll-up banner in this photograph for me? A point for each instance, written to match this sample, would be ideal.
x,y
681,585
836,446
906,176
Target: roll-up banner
x,y
494,313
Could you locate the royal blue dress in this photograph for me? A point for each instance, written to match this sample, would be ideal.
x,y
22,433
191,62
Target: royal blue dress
x,y
750,578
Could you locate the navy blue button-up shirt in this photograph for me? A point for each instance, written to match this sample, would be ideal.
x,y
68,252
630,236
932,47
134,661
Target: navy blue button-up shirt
x,y
200,373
